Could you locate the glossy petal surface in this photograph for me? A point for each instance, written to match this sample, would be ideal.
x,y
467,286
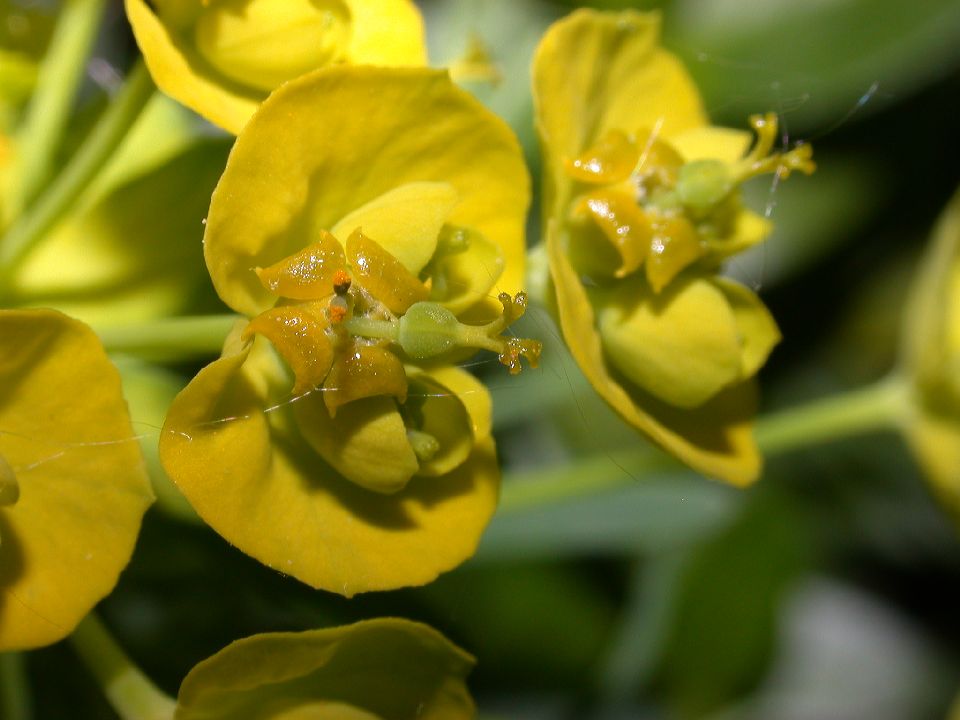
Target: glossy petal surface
x,y
382,274
299,335
307,274
66,434
364,371
388,668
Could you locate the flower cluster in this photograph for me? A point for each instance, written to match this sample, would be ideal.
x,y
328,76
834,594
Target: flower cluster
x,y
642,207
334,439
367,234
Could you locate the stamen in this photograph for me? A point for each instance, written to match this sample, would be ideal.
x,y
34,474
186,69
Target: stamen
x,y
760,160
338,308
341,282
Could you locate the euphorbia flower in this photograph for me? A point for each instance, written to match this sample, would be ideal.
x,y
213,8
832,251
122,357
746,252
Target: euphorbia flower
x,y
73,486
931,360
383,669
642,206
223,57
334,440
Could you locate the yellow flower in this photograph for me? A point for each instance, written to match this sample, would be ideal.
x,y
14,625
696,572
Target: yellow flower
x,y
931,359
223,57
333,440
376,669
641,207
72,482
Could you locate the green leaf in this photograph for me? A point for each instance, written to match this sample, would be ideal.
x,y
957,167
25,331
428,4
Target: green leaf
x,y
530,623
817,62
724,619
650,516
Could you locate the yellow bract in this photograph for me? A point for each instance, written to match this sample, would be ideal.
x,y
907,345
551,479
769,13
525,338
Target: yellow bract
x,y
223,58
385,668
931,358
73,485
324,442
641,208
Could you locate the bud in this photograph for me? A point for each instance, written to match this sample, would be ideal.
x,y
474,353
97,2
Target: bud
x,y
263,43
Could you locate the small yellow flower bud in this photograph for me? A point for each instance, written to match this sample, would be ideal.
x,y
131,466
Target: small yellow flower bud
x,y
263,43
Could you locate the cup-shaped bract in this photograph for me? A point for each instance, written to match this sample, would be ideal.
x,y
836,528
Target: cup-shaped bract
x,y
73,486
641,208
931,360
223,57
333,440
382,669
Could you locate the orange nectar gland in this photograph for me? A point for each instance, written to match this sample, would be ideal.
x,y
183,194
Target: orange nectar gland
x,y
664,214
344,306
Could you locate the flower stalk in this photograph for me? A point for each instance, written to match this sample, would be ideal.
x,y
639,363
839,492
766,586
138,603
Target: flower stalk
x,y
59,198
61,75
132,695
873,408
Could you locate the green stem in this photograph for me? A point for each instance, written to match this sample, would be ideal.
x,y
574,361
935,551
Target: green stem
x,y
177,338
96,150
876,407
14,689
855,412
128,690
583,477
365,327
59,79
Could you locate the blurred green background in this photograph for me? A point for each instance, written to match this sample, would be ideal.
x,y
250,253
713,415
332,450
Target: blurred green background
x,y
829,590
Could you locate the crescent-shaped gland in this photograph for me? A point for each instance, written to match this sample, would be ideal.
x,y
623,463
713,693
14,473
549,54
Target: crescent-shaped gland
x,y
625,225
364,371
299,335
308,274
610,160
674,246
382,275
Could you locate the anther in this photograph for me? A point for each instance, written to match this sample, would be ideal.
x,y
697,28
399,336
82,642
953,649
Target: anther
x,y
341,282
338,308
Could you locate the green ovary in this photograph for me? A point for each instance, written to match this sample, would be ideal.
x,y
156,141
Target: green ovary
x,y
263,43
